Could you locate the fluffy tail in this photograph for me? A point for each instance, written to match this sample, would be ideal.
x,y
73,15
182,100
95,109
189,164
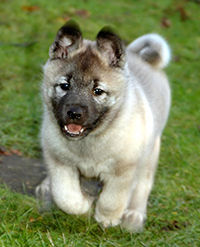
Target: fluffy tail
x,y
153,49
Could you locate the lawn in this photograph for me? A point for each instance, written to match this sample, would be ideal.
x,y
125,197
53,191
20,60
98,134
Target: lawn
x,y
27,29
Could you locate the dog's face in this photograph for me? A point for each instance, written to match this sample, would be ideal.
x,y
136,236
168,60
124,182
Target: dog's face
x,y
83,80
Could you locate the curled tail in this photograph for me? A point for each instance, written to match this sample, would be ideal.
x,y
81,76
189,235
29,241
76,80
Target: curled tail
x,y
153,49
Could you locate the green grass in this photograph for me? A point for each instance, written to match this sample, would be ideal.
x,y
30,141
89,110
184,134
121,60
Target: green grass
x,y
174,206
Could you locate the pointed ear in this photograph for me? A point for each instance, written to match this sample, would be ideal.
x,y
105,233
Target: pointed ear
x,y
111,47
68,39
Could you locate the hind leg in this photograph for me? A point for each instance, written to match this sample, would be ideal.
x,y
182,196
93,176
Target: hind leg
x,y
135,214
43,195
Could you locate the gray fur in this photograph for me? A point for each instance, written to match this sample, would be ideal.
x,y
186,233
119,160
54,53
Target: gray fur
x,y
119,142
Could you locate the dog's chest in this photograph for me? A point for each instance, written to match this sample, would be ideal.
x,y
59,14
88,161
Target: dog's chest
x,y
91,159
94,168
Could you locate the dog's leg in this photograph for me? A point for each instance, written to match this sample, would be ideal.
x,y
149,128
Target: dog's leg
x,y
66,190
135,214
113,199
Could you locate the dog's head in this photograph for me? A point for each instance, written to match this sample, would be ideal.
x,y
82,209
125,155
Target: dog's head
x,y
83,80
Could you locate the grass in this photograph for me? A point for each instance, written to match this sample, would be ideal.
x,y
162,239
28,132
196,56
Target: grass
x,y
26,34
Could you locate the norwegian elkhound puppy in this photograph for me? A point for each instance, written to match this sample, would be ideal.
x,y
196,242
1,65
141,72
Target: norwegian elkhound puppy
x,y
105,107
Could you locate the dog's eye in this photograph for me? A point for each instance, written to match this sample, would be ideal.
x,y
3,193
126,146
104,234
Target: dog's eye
x,y
64,86
97,91
64,83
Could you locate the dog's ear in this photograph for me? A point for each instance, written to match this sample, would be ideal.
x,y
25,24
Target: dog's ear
x,y
111,46
68,39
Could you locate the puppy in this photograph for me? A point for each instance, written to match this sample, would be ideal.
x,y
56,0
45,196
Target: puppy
x,y
105,107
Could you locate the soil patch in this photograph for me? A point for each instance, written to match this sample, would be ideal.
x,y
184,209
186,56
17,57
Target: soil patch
x,y
21,174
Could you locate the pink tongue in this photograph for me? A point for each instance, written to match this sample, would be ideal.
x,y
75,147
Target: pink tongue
x,y
74,128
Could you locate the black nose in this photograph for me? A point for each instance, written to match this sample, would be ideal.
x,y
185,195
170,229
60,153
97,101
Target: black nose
x,y
75,113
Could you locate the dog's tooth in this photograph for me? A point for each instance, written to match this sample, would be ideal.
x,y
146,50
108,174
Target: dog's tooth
x,y
65,127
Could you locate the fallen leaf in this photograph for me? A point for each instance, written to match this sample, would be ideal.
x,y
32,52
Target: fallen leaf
x,y
33,220
30,8
3,151
82,13
63,19
166,23
183,14
17,152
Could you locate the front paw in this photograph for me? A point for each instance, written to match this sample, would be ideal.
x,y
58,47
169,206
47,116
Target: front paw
x,y
133,220
105,220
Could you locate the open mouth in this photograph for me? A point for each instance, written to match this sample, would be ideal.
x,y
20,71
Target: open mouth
x,y
73,130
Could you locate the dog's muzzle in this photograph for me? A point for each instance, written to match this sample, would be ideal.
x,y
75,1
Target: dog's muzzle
x,y
75,119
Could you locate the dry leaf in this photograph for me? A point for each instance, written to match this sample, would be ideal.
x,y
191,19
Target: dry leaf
x,y
165,22
33,220
3,151
17,152
183,14
82,13
63,19
30,8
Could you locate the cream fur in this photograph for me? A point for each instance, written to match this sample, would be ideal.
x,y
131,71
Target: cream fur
x,y
123,153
